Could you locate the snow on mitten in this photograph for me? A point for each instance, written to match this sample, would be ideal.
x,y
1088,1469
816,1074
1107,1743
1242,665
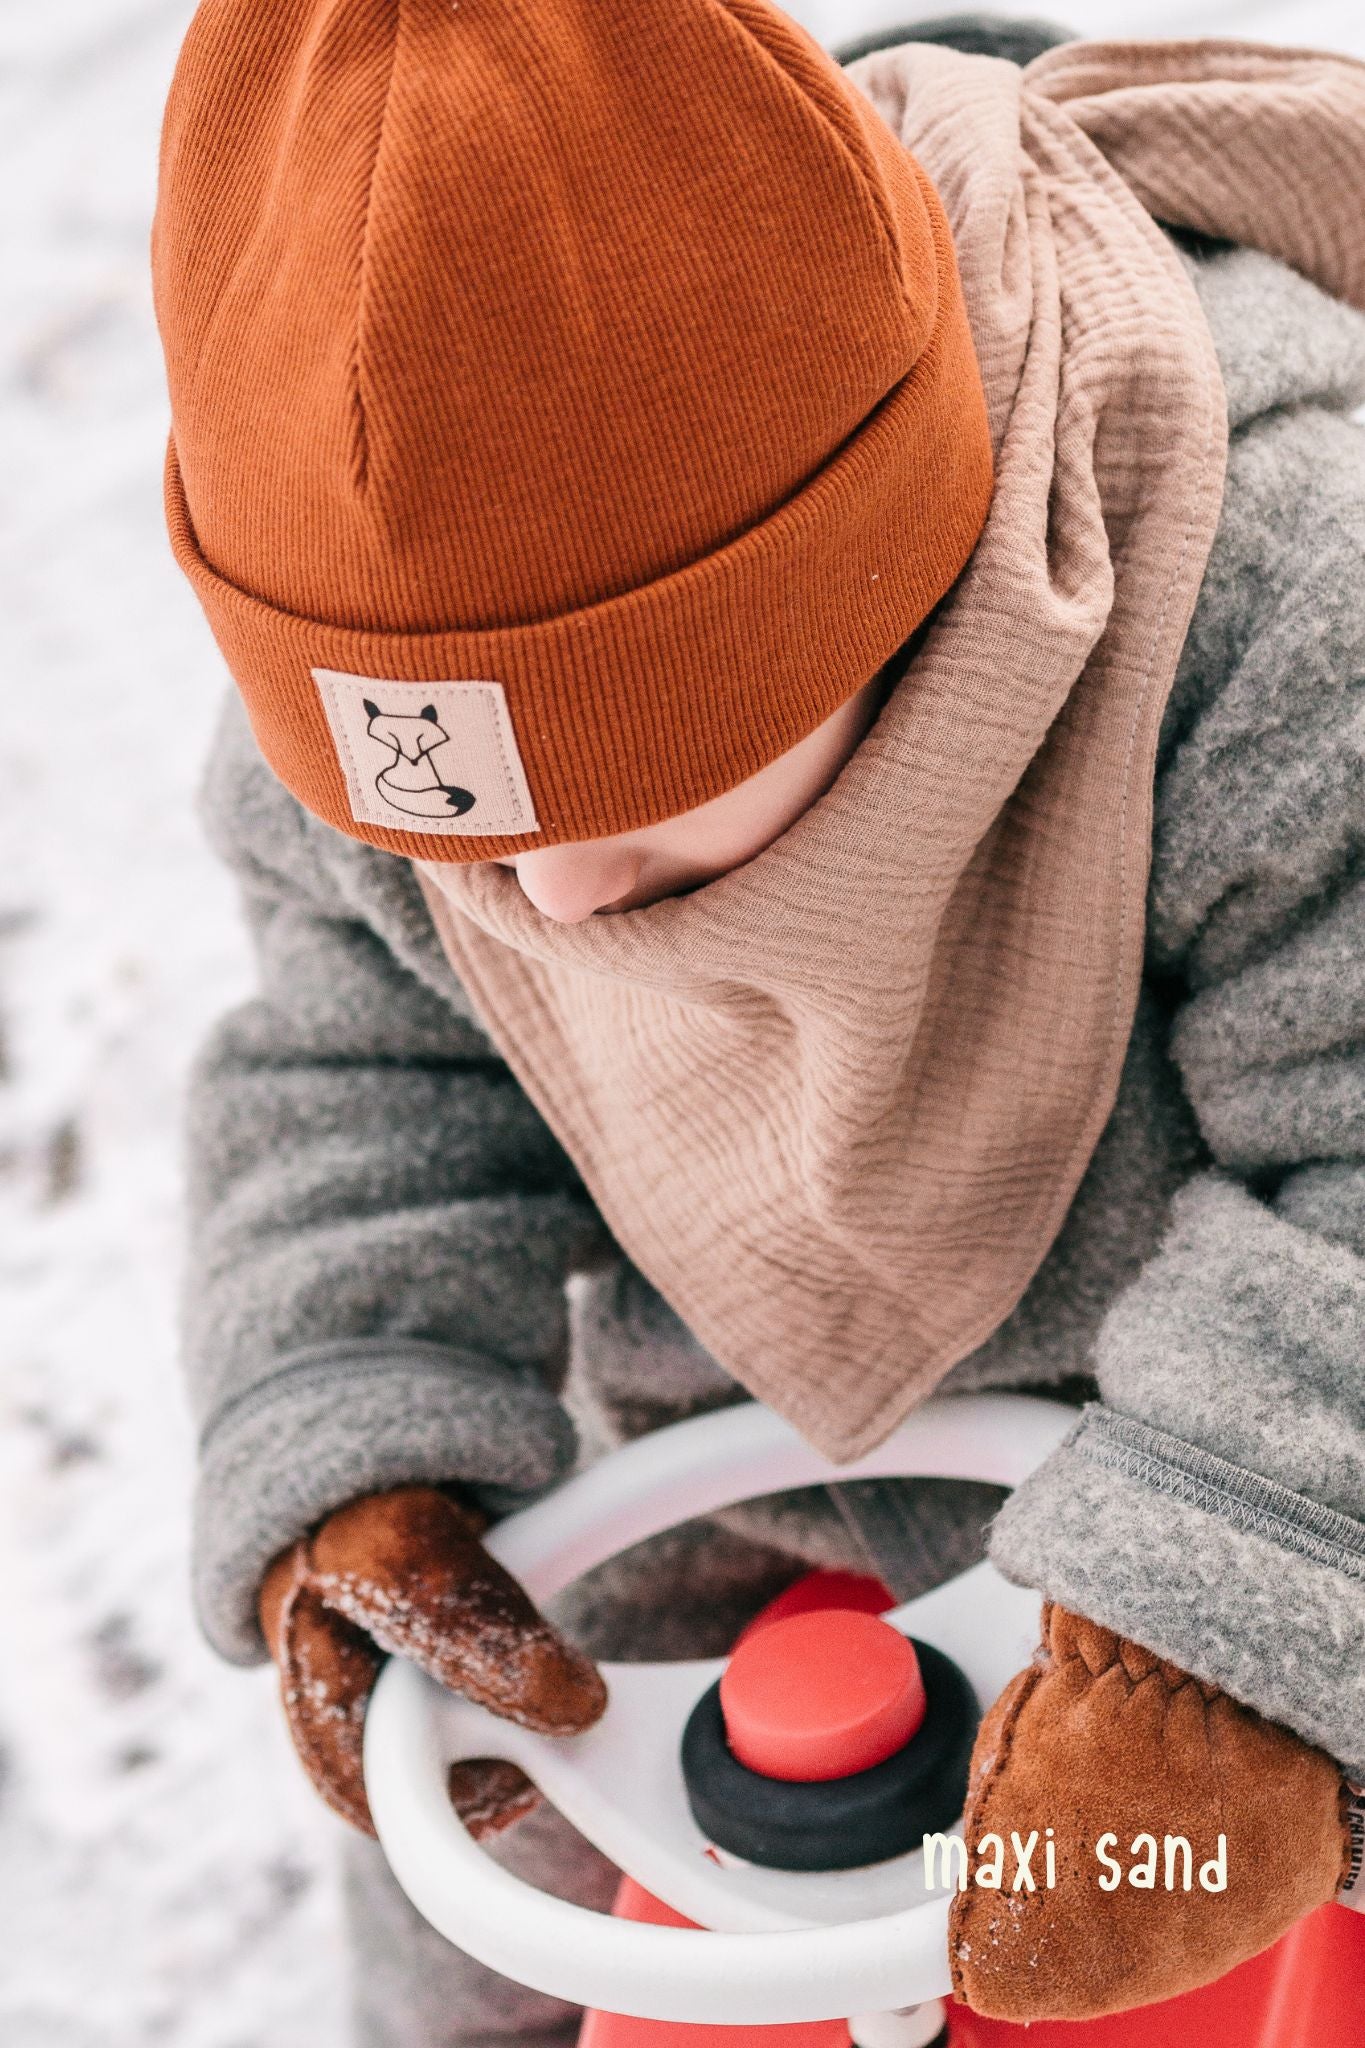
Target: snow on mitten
x,y
1099,1743
404,1573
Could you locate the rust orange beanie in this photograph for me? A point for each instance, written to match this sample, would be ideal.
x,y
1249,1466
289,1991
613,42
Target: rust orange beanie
x,y
572,403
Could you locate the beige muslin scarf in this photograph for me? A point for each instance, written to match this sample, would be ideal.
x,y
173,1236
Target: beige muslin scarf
x,y
836,1104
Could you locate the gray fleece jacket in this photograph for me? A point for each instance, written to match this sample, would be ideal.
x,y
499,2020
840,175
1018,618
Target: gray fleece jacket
x,y
383,1229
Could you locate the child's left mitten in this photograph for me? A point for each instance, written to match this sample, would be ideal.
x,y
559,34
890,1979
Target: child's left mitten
x,y
403,1573
1131,1771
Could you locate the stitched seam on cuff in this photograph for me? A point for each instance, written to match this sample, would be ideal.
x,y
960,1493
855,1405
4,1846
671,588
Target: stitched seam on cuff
x,y
360,1358
1263,1507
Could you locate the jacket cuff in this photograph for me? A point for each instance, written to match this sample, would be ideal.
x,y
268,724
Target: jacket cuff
x,y
336,1421
1235,1578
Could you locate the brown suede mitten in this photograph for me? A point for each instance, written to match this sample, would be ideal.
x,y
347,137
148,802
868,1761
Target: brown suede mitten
x,y
404,1572
1100,1742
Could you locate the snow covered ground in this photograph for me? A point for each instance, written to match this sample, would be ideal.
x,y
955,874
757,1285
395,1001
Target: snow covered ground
x,y
165,1876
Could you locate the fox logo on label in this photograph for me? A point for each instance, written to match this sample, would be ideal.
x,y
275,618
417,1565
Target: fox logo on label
x,y
413,754
419,777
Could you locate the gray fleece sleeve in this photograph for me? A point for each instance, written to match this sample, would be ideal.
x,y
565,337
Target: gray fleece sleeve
x,y
381,1225
1212,1504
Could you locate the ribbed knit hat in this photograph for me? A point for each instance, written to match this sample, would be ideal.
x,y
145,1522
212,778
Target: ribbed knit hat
x,y
572,401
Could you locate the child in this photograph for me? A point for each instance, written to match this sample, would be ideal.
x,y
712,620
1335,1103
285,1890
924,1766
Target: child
x,y
717,553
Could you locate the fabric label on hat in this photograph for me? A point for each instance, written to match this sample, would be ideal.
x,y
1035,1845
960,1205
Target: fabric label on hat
x,y
428,757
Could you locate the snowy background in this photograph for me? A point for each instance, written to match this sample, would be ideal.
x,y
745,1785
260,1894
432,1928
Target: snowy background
x,y
165,1876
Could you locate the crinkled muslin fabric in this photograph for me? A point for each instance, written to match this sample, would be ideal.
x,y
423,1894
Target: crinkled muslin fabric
x,y
835,1105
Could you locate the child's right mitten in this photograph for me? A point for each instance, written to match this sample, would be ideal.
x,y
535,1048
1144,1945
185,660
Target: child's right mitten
x,y
404,1573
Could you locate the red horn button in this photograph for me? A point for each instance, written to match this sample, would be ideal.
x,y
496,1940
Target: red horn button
x,y
819,1696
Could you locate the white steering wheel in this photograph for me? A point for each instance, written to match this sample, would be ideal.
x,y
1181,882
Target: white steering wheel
x,y
784,1946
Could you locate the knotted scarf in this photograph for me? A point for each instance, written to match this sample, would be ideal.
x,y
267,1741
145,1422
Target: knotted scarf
x,y
836,1104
